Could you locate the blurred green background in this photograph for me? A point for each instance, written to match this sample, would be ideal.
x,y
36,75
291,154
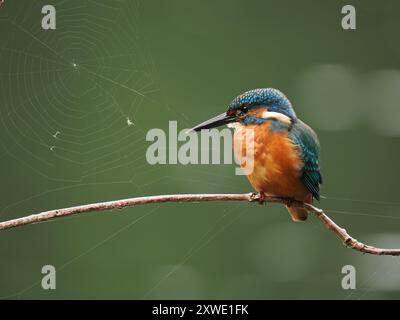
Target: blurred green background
x,y
65,100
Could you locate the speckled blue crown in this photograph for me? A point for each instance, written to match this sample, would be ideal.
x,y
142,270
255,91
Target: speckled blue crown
x,y
275,100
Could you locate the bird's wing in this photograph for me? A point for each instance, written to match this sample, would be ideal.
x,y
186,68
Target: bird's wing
x,y
307,142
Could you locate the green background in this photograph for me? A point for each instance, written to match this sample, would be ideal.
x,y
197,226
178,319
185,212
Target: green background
x,y
64,141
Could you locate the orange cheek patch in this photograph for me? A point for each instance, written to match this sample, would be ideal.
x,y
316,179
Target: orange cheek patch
x,y
257,112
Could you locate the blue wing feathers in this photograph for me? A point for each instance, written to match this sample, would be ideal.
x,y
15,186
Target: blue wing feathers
x,y
307,142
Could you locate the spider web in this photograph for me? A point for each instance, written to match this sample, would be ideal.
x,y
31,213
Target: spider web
x,y
67,112
71,110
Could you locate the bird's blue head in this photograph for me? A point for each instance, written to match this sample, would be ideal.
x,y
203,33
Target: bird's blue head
x,y
254,106
272,99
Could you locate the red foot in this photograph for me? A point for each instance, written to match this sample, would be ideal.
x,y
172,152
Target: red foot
x,y
261,198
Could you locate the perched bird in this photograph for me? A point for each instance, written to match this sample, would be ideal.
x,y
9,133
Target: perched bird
x,y
285,149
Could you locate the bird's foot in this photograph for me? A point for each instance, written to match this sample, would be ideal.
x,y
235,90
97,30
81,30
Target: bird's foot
x,y
291,202
261,198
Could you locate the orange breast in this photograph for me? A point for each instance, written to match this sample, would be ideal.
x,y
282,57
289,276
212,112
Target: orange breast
x,y
277,164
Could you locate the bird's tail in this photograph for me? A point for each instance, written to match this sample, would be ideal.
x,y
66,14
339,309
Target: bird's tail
x,y
298,214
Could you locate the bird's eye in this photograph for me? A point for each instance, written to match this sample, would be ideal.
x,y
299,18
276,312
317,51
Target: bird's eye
x,y
244,108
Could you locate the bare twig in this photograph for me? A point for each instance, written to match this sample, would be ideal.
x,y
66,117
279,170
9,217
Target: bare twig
x,y
250,197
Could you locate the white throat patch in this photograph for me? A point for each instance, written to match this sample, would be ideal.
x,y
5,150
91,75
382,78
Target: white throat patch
x,y
234,125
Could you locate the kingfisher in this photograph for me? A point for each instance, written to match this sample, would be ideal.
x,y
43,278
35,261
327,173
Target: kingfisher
x,y
285,150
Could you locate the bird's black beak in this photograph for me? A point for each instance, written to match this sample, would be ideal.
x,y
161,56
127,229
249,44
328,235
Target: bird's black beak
x,y
214,122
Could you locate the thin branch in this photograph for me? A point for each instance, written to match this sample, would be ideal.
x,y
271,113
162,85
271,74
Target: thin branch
x,y
249,197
